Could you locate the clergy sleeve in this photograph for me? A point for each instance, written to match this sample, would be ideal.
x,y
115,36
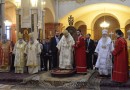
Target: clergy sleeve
x,y
118,47
10,47
97,48
26,49
59,43
112,47
14,50
38,48
80,42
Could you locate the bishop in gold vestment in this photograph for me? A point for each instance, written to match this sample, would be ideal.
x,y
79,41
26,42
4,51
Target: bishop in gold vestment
x,y
19,62
32,50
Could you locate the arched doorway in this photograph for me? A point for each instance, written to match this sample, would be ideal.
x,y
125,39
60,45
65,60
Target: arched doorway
x,y
82,26
49,23
114,24
83,29
127,27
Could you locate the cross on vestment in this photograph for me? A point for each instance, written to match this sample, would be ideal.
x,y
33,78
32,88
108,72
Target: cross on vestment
x,y
111,34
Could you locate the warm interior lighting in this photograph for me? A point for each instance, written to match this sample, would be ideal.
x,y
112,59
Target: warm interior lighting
x,y
104,24
18,3
43,3
34,3
7,23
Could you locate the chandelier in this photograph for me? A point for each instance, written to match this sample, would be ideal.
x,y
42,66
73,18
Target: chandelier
x,y
104,24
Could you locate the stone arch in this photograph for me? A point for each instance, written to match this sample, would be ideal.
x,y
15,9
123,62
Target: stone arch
x,y
11,2
127,27
97,29
82,26
10,11
114,23
83,29
101,15
49,18
127,22
79,23
95,7
7,17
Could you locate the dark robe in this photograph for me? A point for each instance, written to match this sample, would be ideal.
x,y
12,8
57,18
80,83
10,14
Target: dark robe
x,y
120,68
54,50
90,47
80,55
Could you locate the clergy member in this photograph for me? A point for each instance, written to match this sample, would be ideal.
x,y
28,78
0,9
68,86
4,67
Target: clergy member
x,y
128,47
5,54
120,70
19,62
65,47
32,50
80,54
104,49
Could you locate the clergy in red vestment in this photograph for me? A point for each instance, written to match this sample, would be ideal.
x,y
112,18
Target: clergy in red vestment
x,y
5,54
120,68
80,54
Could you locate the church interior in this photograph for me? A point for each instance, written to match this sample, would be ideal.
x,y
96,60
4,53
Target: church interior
x,y
46,17
51,15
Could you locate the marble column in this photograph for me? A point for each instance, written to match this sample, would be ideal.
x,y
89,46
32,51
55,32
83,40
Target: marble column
x,y
18,20
43,24
34,22
57,11
2,10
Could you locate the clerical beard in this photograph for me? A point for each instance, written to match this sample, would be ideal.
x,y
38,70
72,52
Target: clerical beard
x,y
104,39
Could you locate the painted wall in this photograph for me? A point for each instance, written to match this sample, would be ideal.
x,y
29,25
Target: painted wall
x,y
67,6
89,14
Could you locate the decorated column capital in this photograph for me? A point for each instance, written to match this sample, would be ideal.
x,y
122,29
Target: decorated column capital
x,y
78,1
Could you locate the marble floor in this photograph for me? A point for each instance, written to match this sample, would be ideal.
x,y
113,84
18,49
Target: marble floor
x,y
44,81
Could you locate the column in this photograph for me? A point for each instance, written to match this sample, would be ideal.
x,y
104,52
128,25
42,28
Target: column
x,y
57,11
43,24
34,22
18,21
2,3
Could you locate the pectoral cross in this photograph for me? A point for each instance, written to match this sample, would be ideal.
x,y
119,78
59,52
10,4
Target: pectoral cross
x,y
111,34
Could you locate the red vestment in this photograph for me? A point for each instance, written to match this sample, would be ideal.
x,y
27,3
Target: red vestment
x,y
5,49
80,55
120,68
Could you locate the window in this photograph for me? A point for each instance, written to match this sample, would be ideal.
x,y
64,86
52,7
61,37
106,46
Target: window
x,y
8,32
7,28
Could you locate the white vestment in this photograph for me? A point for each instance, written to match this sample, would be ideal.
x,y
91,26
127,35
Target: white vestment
x,y
33,51
65,46
104,61
19,62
